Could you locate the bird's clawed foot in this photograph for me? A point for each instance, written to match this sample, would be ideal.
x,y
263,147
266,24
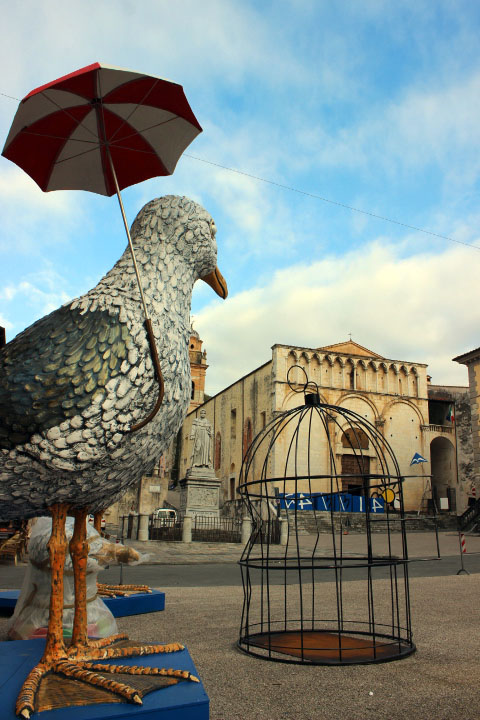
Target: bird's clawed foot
x,y
105,590
80,664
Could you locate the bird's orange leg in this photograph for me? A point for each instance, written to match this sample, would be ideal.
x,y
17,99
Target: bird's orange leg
x,y
97,522
79,553
54,648
57,549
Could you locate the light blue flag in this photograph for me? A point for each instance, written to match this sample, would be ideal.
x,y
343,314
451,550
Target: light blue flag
x,y
417,458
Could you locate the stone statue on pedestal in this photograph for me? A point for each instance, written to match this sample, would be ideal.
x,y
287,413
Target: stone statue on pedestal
x,y
200,488
201,435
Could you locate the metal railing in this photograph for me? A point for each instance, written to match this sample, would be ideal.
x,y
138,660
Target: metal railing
x,y
204,529
212,529
471,514
164,529
437,428
266,531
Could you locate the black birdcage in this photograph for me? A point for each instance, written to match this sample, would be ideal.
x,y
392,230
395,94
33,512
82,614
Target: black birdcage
x,y
301,604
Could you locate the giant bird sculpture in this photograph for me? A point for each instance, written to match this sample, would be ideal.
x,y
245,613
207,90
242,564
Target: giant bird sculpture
x,y
72,387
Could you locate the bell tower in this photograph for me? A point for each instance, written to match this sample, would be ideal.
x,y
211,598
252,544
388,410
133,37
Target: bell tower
x,y
198,366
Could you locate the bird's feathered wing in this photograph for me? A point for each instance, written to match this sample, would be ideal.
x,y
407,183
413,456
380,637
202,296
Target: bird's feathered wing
x,y
51,371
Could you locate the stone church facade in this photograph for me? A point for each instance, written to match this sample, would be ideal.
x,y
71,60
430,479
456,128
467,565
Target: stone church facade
x,y
394,395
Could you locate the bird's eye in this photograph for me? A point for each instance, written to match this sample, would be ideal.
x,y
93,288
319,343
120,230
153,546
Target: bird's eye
x,y
213,228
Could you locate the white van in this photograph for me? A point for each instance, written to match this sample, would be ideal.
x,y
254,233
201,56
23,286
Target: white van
x,y
166,515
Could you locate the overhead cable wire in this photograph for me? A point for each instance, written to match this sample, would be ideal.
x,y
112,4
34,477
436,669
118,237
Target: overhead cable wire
x,y
10,96
316,197
332,202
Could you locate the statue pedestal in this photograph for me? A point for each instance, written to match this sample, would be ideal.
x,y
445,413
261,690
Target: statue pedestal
x,y
200,493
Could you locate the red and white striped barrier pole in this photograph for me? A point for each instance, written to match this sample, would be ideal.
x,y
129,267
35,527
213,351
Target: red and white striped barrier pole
x,y
463,550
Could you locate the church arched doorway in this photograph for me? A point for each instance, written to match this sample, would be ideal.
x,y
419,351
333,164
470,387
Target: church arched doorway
x,y
442,458
355,464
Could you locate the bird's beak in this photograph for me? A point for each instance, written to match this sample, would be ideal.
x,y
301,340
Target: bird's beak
x,y
217,282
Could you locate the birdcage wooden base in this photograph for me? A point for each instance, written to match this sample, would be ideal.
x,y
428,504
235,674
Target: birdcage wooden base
x,y
325,647
184,701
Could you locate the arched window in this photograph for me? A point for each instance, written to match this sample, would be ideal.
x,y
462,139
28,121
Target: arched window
x,y
218,451
361,379
193,391
414,383
349,375
355,438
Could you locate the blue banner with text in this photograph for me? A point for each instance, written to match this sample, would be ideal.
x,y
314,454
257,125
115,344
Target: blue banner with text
x,y
326,502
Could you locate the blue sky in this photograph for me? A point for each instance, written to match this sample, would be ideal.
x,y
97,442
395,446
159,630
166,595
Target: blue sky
x,y
370,104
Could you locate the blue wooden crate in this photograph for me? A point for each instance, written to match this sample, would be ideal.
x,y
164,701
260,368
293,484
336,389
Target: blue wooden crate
x,y
136,604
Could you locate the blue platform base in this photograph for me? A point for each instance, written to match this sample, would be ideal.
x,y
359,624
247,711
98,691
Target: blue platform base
x,y
136,604
8,599
185,701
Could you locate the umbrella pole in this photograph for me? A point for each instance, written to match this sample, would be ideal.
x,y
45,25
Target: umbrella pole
x,y
148,322
127,230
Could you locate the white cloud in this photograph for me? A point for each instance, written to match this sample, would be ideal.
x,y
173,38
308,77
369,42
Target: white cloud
x,y
27,213
5,323
423,127
423,309
32,297
185,42
16,186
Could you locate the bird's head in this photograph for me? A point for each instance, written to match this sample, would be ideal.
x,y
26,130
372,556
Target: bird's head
x,y
184,232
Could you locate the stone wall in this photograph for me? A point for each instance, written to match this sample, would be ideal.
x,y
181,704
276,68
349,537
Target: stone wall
x,y
462,430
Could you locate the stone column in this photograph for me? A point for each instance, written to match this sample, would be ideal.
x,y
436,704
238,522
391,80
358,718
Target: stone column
x,y
246,530
283,531
187,529
143,527
135,527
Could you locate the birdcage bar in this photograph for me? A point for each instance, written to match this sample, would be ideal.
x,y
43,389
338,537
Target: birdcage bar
x,y
288,625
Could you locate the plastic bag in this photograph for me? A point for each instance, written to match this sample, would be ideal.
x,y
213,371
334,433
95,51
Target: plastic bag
x,y
30,618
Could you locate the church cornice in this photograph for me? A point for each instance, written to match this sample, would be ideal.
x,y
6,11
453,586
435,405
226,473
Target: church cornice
x,y
329,352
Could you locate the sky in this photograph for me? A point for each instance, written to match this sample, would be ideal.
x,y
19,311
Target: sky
x,y
322,107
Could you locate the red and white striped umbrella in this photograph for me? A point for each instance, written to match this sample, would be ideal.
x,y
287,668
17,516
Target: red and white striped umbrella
x,y
102,129
65,133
